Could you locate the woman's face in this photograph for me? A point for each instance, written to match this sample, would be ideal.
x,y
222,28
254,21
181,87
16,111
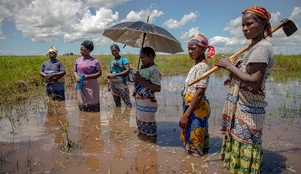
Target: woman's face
x,y
145,60
84,51
52,55
250,27
195,51
115,52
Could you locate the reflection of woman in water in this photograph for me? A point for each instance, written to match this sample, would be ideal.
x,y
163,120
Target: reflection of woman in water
x,y
146,160
56,113
120,131
92,144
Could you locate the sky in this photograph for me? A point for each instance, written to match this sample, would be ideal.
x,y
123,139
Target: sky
x,y
30,27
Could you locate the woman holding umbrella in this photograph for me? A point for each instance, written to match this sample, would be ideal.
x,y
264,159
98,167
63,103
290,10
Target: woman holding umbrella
x,y
117,85
244,109
194,121
146,83
86,71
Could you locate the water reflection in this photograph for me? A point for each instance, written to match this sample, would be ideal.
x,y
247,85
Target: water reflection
x,y
55,116
120,131
106,140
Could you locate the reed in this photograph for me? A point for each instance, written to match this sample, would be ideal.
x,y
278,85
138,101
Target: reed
x,y
20,79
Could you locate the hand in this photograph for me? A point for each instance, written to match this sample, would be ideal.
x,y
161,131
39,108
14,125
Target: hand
x,y
183,123
77,78
48,76
111,76
223,62
137,77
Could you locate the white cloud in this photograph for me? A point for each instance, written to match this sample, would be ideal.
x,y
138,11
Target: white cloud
x,y
174,24
191,32
91,26
6,52
296,15
142,15
105,3
47,24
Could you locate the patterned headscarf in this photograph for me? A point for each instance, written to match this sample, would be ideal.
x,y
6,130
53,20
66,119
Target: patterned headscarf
x,y
202,41
52,49
264,14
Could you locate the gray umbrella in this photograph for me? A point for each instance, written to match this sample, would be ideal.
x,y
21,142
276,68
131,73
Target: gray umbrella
x,y
139,34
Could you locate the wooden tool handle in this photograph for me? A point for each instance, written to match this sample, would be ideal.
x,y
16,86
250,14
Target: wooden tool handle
x,y
212,70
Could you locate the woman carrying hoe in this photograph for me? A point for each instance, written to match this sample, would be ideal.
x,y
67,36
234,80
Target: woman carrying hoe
x,y
244,109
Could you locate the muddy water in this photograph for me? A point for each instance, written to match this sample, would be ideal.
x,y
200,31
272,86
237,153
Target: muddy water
x,y
32,139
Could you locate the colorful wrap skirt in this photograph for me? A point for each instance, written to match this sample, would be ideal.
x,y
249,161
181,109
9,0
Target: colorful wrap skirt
x,y
117,87
196,137
88,96
146,109
240,157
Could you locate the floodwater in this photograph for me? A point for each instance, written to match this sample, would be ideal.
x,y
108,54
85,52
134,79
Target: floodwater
x,y
33,140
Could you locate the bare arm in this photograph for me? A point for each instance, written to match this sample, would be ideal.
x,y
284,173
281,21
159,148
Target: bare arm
x,y
93,76
57,75
195,103
253,78
125,72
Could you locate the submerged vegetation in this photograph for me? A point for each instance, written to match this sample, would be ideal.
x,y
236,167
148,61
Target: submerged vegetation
x,y
20,79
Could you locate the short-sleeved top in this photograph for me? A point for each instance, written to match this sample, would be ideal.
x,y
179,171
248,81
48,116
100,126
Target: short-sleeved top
x,y
120,66
196,71
151,73
87,66
50,67
262,52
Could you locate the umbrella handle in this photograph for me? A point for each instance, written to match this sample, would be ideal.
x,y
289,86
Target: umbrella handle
x,y
144,35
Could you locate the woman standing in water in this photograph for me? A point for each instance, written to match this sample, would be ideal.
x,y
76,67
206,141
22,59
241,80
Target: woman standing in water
x,y
196,108
147,81
52,70
119,69
244,109
86,71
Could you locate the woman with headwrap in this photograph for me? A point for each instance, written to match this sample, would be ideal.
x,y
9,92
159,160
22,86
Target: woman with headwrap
x,y
196,108
117,86
86,71
147,82
244,109
52,70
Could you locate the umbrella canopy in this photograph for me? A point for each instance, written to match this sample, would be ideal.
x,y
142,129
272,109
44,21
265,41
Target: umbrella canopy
x,y
140,34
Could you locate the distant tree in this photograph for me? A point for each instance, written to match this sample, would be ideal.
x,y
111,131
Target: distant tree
x,y
71,54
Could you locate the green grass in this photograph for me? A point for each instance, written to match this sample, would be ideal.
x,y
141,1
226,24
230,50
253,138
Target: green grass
x,y
20,79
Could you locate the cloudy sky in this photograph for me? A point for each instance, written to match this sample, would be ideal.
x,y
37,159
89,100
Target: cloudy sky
x,y
30,27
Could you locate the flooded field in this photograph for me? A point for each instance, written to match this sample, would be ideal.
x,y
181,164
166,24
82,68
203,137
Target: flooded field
x,y
35,135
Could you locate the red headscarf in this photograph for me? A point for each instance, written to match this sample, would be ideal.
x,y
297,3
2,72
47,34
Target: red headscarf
x,y
264,14
201,40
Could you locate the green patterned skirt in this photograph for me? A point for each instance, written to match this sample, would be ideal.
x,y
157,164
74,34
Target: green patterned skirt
x,y
240,157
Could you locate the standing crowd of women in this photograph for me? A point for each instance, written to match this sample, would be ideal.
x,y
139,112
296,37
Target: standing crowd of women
x,y
244,108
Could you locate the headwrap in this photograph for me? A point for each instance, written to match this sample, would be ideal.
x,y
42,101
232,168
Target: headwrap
x,y
202,41
52,49
88,44
264,14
